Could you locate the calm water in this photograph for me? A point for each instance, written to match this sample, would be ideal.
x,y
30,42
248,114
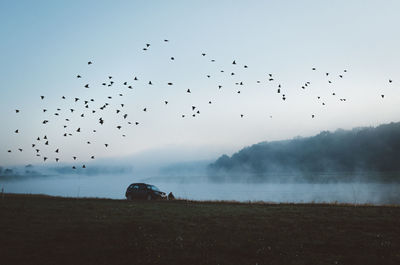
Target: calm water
x,y
108,186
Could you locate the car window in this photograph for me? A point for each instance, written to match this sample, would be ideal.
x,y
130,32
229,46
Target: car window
x,y
152,187
142,187
136,187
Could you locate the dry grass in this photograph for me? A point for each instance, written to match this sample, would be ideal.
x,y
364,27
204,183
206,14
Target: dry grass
x,y
39,229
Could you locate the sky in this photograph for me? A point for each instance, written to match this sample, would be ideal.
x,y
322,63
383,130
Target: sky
x,y
46,44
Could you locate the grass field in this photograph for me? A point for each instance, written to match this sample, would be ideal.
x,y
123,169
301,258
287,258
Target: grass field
x,y
38,229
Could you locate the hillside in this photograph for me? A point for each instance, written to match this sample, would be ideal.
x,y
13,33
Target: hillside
x,y
370,153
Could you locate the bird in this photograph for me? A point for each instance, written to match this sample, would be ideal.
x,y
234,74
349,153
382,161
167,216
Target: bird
x,y
170,84
203,54
241,115
20,149
74,157
188,91
313,69
92,157
106,145
172,58
83,166
78,130
234,62
312,116
78,76
57,159
145,109
166,40
76,99
382,96
16,131
87,85
57,150
150,83
390,81
89,62
16,111
42,97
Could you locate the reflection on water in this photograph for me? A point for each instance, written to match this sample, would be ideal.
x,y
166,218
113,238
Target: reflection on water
x,y
108,186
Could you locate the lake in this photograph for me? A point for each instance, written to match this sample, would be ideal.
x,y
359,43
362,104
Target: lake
x,y
114,186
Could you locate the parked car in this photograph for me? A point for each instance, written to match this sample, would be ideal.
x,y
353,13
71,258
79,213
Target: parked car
x,y
143,191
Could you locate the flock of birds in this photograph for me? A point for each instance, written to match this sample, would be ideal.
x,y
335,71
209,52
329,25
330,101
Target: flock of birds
x,y
40,141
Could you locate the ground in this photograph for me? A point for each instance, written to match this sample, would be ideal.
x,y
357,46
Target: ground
x,y
42,230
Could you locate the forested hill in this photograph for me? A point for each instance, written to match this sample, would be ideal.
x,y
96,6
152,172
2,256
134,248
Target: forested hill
x,y
368,149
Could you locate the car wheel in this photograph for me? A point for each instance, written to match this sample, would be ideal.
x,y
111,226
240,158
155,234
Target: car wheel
x,y
149,198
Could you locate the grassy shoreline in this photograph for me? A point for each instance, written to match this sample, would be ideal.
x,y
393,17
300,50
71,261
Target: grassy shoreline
x,y
41,229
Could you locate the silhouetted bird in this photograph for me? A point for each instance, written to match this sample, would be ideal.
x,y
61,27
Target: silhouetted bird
x,y
42,97
382,96
76,99
150,83
16,131
89,62
87,85
78,76
188,91
234,62
17,111
78,130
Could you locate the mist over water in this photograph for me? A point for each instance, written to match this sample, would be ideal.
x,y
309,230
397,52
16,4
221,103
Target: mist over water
x,y
199,188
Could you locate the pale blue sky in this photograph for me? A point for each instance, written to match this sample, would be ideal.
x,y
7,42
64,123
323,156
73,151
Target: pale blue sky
x,y
45,44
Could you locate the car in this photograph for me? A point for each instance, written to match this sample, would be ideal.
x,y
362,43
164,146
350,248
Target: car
x,y
143,191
